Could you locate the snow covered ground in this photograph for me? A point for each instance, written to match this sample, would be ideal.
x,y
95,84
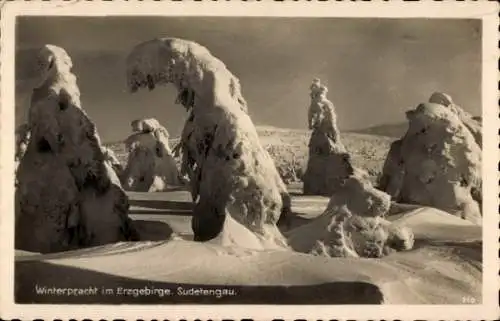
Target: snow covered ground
x,y
444,266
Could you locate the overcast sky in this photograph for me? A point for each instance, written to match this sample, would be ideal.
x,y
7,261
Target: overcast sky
x,y
375,69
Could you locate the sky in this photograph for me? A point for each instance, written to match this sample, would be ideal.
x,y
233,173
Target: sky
x,y
375,69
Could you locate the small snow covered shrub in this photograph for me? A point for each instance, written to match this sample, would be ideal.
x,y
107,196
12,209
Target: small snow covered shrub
x,y
289,165
353,225
150,167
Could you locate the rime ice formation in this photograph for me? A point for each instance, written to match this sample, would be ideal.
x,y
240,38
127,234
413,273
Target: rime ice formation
x,y
329,164
188,165
151,166
22,139
436,163
231,173
361,198
67,195
472,124
149,125
113,161
393,171
353,225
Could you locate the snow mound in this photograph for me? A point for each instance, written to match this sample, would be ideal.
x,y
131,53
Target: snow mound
x,y
235,235
429,223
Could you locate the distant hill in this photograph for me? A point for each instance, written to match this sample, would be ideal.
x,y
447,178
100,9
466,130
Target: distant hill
x,y
390,130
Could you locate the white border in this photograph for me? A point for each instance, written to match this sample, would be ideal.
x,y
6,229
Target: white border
x,y
487,11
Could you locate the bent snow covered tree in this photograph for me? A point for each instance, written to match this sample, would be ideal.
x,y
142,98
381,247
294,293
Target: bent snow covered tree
x,y
231,172
67,195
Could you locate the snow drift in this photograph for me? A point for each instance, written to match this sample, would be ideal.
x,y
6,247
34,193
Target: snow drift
x,y
444,268
151,166
67,196
438,161
231,173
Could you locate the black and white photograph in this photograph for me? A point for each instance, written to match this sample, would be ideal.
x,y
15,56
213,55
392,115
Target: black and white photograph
x,y
172,158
